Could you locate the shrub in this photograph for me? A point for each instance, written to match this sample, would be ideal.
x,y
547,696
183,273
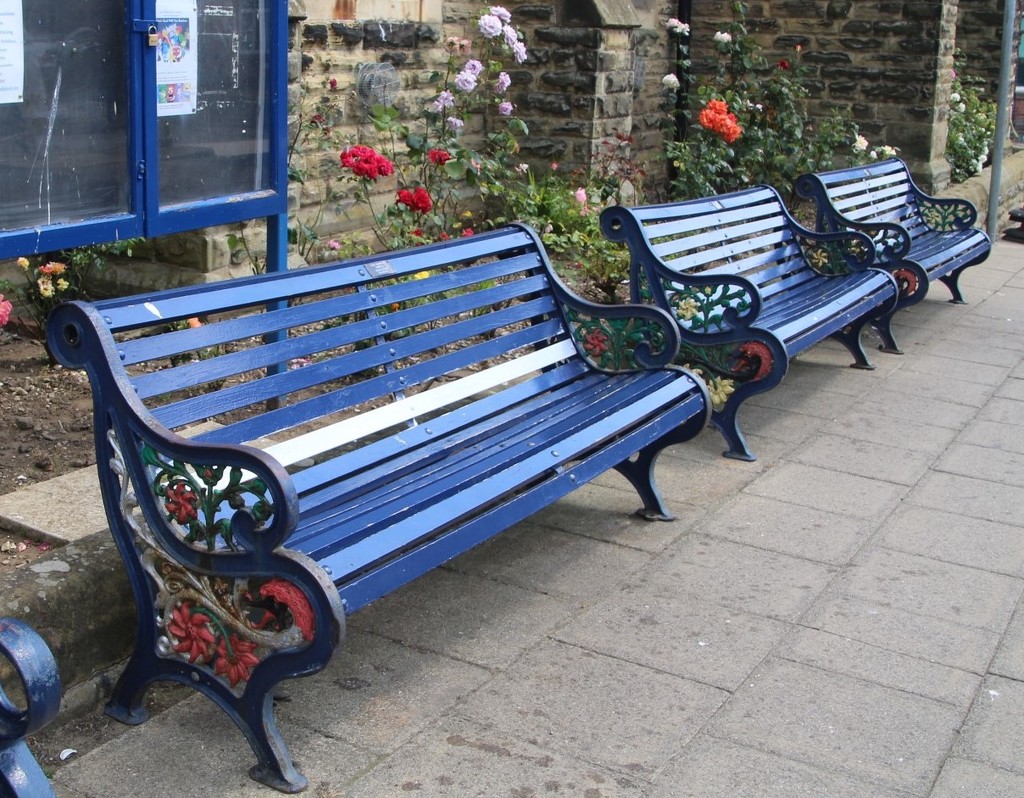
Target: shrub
x,y
972,125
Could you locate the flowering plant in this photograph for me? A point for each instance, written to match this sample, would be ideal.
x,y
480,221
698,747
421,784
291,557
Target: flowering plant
x,y
58,277
436,169
749,122
566,207
5,310
972,125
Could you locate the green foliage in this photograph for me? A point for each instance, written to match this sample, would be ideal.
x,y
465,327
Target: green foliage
x,y
972,125
566,208
763,133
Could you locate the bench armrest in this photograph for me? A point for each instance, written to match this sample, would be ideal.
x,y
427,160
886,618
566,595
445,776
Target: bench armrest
x,y
702,304
835,253
617,338
201,528
945,214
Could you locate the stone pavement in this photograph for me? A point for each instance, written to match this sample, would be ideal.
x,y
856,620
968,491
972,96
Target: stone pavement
x,y
839,618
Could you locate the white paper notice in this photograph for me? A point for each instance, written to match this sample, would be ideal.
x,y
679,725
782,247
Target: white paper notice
x,y
176,59
12,52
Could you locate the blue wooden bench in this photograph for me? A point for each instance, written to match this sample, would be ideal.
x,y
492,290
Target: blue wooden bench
x,y
750,289
34,702
406,408
918,237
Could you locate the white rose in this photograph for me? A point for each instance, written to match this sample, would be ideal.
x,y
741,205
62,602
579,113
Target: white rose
x,y
723,37
670,81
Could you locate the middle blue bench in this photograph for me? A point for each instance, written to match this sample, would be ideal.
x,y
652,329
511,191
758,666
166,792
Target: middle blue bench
x,y
750,288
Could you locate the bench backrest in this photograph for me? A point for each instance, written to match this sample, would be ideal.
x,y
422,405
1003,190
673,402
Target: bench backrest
x,y
395,337
878,192
746,234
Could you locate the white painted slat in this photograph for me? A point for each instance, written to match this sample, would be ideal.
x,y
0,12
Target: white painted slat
x,y
347,430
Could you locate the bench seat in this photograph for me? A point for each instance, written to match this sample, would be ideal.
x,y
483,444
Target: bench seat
x,y
750,289
306,442
918,237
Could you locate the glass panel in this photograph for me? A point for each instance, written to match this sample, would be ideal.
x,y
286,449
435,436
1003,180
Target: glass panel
x,y
216,141
63,112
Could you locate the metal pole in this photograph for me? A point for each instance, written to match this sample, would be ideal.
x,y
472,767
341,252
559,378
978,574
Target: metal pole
x,y
1002,117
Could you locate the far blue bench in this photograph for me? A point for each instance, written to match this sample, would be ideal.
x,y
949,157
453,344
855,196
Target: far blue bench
x,y
409,406
35,703
750,289
920,238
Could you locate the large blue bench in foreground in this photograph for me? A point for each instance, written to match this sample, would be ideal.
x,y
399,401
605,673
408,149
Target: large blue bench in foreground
x,y
278,451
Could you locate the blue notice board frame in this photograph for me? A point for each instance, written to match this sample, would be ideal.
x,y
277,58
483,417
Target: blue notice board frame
x,y
149,138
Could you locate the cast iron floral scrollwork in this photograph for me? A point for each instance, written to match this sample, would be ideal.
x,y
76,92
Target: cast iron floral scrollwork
x,y
223,625
201,499
611,344
945,217
723,366
833,257
706,309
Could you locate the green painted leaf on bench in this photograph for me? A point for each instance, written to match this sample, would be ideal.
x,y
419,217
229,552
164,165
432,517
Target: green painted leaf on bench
x,y
703,309
611,344
200,499
944,216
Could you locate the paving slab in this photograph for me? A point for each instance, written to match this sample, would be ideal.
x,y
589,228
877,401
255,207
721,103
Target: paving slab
x,y
953,538
983,462
743,578
931,588
709,767
839,654
550,561
829,490
789,528
1012,389
864,458
934,361
169,757
961,777
458,758
603,512
616,714
994,435
462,616
1003,411
969,496
377,693
53,510
967,648
840,724
675,633
993,732
1009,659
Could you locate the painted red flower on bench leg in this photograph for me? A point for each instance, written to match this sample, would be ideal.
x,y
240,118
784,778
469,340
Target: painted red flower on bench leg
x,y
235,659
192,632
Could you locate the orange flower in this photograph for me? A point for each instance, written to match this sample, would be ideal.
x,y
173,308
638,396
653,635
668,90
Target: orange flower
x,y
717,118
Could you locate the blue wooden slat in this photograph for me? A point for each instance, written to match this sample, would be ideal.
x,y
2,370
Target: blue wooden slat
x,y
312,343
439,514
434,480
273,421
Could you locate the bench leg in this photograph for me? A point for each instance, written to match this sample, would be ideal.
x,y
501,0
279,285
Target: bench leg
x,y
254,716
726,422
639,470
883,327
850,337
952,282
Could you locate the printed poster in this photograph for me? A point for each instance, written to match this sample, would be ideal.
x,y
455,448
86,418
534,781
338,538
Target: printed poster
x,y
177,67
12,52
